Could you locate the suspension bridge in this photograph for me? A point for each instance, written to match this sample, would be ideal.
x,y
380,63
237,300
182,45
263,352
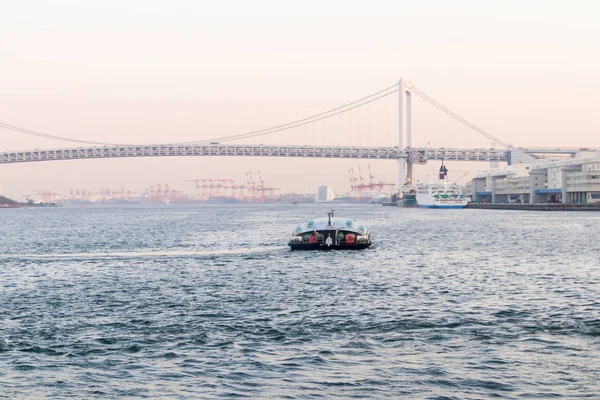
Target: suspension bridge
x,y
405,155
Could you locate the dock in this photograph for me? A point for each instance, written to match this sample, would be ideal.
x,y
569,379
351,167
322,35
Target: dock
x,y
537,207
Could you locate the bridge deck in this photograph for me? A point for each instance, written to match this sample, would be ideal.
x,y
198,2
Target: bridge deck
x,y
415,155
200,151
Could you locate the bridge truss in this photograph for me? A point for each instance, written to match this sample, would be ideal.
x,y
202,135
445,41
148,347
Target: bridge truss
x,y
416,155
420,155
84,153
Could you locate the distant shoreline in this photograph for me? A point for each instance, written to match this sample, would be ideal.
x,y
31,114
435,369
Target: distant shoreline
x,y
5,202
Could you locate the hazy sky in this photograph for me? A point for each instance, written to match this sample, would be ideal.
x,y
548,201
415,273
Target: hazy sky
x,y
165,71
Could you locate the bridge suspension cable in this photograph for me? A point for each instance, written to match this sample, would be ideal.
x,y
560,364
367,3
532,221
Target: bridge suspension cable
x,y
274,129
54,137
455,116
294,124
304,121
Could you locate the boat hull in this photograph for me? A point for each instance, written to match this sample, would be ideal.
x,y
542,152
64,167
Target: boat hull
x,y
442,206
407,202
321,246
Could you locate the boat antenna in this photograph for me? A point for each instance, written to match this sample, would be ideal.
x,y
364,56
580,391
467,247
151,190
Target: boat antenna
x,y
443,171
330,214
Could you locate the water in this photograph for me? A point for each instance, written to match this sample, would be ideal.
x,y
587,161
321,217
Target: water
x,y
208,302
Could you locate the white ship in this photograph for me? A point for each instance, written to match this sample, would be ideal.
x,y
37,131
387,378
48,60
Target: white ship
x,y
441,193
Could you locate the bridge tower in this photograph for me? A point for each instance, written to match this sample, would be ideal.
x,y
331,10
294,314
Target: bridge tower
x,y
401,162
409,165
405,166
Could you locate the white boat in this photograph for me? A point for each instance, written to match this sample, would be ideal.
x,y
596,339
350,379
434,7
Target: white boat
x,y
330,233
441,193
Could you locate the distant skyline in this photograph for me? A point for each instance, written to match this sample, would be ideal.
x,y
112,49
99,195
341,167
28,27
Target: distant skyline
x,y
151,72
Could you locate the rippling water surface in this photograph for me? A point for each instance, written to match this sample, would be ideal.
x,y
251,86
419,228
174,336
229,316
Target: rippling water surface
x,y
205,302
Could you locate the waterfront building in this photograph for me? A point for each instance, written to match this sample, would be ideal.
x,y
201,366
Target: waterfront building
x,y
574,180
325,193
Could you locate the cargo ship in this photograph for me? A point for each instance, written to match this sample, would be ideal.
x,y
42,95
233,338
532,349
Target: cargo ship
x,y
407,197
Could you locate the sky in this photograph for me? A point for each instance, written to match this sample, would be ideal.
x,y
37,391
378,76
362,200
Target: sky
x,y
146,72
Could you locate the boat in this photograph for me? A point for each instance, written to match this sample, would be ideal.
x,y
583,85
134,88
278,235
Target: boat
x,y
407,197
330,233
441,193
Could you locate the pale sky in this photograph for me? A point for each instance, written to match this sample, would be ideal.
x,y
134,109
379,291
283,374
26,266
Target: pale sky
x,y
131,71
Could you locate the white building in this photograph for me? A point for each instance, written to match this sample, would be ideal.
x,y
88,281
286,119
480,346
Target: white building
x,y
325,193
572,180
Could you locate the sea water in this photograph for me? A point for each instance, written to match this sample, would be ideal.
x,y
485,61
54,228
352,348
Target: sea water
x,y
208,302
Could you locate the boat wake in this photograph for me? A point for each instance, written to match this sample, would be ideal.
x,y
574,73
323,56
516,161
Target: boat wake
x,y
143,254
